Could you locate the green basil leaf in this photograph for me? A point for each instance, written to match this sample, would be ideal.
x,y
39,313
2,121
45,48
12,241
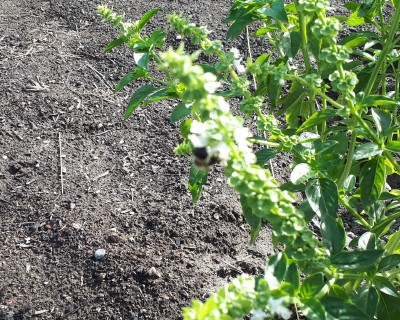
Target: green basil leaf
x,y
301,173
366,298
372,181
137,98
376,100
389,262
356,259
146,17
291,43
115,43
384,285
388,307
293,277
161,93
254,222
185,128
197,179
278,263
157,38
131,76
317,118
323,197
142,59
382,120
393,146
366,150
333,235
237,27
313,309
264,155
312,286
356,39
275,11
181,110
341,309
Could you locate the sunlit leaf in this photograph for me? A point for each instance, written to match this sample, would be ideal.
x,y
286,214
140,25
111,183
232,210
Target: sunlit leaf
x,y
366,150
146,17
372,181
323,196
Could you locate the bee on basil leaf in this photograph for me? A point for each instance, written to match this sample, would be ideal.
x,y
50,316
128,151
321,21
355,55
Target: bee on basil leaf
x,y
203,158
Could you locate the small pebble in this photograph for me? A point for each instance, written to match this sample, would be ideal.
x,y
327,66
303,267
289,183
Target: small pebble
x,y
216,216
99,254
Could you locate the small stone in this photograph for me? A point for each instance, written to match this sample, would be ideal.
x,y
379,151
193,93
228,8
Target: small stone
x,y
216,216
72,206
99,254
153,272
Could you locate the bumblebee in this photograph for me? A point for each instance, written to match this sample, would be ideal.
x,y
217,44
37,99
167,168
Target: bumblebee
x,y
203,159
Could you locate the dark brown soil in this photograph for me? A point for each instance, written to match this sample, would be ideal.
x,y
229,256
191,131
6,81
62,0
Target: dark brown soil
x,y
121,189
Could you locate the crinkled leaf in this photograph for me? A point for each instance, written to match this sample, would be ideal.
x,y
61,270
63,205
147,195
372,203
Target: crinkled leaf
x,y
317,118
366,150
131,76
137,98
323,196
254,222
372,181
356,259
197,179
181,111
146,17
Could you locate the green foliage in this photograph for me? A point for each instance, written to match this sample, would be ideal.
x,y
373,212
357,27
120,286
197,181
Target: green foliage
x,y
325,102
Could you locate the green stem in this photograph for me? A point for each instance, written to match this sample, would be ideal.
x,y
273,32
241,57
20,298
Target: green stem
x,y
157,80
304,49
349,162
265,143
382,55
355,213
392,160
160,63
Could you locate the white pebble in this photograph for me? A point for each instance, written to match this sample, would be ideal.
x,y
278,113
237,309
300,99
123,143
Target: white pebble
x,y
99,254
